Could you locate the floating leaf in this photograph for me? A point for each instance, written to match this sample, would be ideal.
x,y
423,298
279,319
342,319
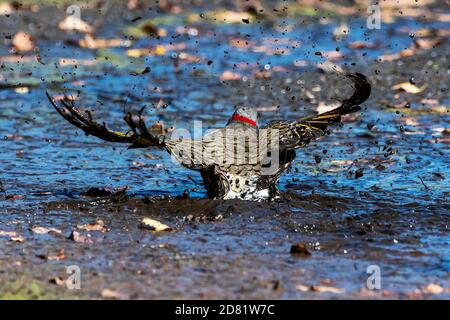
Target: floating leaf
x,y
434,289
137,53
92,43
73,23
98,225
43,230
327,289
22,42
153,225
230,76
408,87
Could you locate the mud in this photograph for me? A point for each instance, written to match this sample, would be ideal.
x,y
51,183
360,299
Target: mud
x,y
374,192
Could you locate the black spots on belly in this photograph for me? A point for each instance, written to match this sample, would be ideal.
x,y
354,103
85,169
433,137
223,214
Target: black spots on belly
x,y
236,182
287,155
247,182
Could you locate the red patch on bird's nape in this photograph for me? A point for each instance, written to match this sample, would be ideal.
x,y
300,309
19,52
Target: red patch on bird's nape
x,y
237,117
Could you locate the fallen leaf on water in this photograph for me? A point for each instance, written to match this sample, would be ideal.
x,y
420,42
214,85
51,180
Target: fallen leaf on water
x,y
137,53
230,76
332,55
232,17
263,74
409,87
112,294
240,42
76,62
153,225
17,58
303,288
402,54
22,90
73,23
434,289
428,43
98,225
5,9
19,239
60,255
91,43
22,42
43,230
7,233
362,45
327,289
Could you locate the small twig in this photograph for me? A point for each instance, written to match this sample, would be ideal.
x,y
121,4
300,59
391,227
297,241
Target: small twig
x,y
421,180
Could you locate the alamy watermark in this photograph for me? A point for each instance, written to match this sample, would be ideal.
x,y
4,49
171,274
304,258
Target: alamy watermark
x,y
374,280
73,282
374,19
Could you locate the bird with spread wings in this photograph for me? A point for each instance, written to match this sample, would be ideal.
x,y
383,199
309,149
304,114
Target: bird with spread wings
x,y
238,161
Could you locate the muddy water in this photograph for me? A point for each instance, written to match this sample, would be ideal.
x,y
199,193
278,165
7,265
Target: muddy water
x,y
395,215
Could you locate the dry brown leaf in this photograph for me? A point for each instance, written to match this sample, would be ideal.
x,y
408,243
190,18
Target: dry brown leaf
x,y
22,90
5,9
60,255
7,233
153,225
230,76
23,42
43,230
408,87
73,23
91,43
428,43
327,289
303,288
76,62
406,53
232,16
240,43
362,45
434,289
137,53
19,239
332,55
98,225
112,294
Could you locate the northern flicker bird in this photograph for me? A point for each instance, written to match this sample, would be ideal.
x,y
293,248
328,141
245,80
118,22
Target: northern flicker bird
x,y
239,161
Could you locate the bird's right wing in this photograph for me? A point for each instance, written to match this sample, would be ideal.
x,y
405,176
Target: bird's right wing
x,y
139,136
298,133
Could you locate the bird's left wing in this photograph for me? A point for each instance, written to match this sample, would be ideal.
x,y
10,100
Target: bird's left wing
x,y
298,133
139,136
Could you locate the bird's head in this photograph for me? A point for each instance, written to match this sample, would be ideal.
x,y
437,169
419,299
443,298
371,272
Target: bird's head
x,y
245,115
